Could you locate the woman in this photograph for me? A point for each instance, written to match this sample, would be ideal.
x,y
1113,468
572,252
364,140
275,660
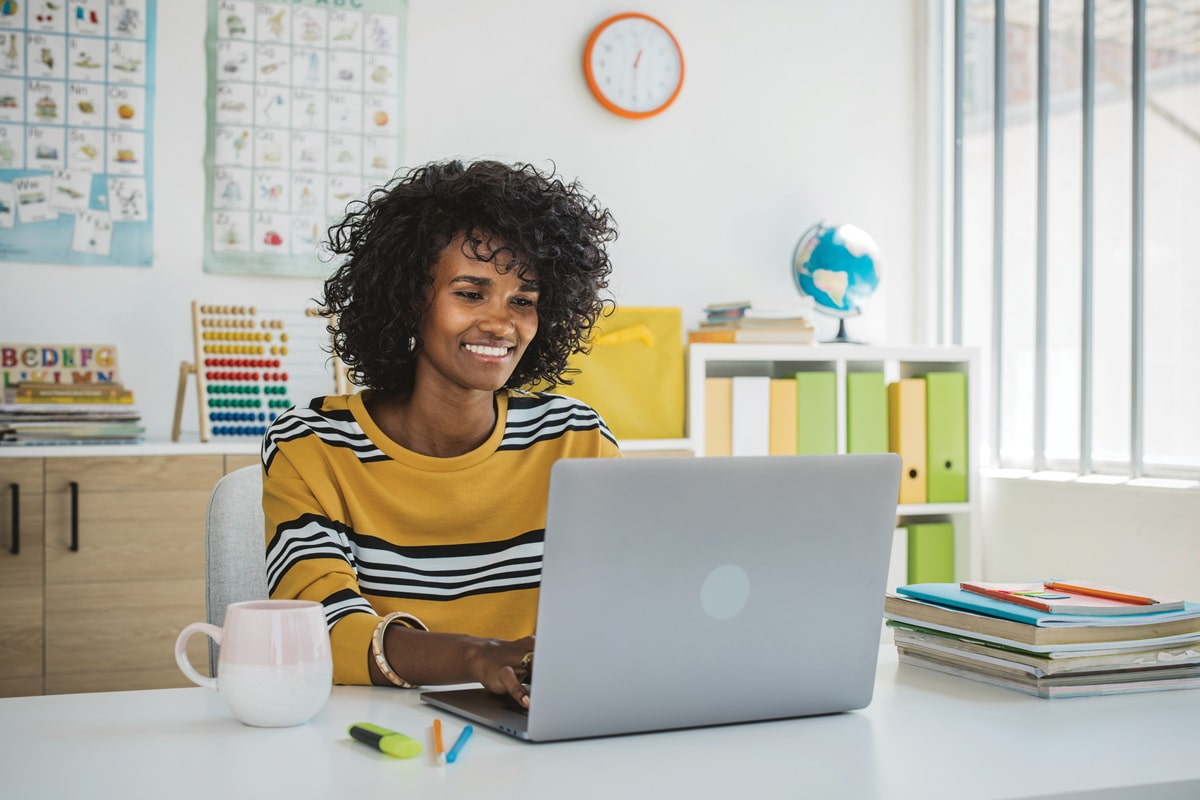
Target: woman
x,y
414,510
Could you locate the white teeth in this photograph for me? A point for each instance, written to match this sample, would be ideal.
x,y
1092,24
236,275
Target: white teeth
x,y
486,351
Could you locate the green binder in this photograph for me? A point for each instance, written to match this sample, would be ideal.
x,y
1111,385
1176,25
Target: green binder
x,y
946,437
866,413
931,552
816,413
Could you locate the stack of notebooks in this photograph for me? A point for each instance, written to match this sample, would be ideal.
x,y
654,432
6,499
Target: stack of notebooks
x,y
740,321
69,413
1049,639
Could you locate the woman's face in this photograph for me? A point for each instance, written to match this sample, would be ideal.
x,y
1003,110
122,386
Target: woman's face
x,y
480,320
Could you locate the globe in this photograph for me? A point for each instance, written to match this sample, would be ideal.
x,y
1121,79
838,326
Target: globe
x,y
837,267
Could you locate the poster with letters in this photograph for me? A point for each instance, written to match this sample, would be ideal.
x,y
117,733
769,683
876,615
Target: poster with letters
x,y
305,104
76,130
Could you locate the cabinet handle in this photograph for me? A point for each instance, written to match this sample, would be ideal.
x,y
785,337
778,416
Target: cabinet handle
x,y
15,549
74,517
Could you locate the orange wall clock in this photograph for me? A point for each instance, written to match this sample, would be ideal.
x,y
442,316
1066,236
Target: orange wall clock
x,y
634,65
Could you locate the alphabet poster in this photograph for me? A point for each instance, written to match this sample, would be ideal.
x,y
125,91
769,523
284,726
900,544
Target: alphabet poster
x,y
305,100
76,129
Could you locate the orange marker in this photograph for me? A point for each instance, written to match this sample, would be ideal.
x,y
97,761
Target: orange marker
x,y
438,749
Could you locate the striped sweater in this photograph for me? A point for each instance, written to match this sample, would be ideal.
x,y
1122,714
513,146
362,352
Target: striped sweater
x,y
366,527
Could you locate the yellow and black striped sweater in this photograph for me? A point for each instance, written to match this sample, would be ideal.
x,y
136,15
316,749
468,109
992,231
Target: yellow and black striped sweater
x,y
366,527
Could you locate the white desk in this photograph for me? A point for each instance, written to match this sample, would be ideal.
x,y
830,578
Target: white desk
x,y
924,735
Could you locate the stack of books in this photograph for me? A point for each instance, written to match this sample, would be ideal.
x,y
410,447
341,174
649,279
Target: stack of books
x,y
741,321
69,413
1079,640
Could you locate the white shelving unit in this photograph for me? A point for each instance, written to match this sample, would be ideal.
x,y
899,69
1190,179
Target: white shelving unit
x,y
780,360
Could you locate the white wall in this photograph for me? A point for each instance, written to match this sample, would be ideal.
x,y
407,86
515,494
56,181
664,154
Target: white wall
x,y
791,112
1122,535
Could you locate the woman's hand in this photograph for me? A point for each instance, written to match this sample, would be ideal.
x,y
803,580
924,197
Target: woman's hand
x,y
504,667
430,659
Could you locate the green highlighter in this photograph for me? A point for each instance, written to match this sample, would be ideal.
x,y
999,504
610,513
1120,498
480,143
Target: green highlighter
x,y
386,741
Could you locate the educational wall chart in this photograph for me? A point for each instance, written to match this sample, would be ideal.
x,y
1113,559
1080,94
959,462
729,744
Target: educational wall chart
x,y
76,130
304,115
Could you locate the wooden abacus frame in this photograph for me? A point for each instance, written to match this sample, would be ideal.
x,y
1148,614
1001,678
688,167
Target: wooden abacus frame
x,y
234,337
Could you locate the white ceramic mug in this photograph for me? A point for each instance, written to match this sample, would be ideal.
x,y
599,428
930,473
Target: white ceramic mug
x,y
275,667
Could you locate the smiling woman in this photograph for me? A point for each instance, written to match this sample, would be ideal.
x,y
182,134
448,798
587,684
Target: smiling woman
x,y
414,511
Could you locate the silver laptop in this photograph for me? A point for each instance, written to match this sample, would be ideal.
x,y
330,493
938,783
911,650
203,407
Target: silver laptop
x,y
682,592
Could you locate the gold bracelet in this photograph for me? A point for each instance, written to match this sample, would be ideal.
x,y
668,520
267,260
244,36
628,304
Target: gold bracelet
x,y
409,621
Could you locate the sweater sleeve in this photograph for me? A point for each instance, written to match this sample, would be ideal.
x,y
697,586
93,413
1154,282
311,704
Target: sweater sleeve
x,y
309,558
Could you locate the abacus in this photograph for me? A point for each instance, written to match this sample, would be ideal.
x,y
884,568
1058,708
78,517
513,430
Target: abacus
x,y
252,365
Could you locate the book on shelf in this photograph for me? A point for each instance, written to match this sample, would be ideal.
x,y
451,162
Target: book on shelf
x,y
1147,631
727,308
1151,679
752,335
741,321
950,594
47,393
1073,597
70,419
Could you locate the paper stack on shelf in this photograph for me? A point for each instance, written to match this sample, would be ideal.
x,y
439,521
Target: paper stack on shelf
x,y
742,321
943,627
79,413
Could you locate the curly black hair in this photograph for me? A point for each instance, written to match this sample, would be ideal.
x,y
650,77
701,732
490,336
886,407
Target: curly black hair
x,y
377,297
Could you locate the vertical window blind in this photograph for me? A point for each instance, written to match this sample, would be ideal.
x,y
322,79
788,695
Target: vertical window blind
x,y
1076,229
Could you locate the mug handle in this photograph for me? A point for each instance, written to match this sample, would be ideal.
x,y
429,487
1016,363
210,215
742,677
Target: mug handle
x,y
181,657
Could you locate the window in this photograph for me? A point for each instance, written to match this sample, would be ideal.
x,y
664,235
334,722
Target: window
x,y
1077,252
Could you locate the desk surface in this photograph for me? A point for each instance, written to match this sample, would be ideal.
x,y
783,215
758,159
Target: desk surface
x,y
924,735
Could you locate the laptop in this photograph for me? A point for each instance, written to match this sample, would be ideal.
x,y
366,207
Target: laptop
x,y
686,592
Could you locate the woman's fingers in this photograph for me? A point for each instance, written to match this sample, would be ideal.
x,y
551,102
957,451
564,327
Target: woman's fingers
x,y
512,684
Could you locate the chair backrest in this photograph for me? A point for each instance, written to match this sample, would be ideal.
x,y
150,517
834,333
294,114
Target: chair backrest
x,y
236,566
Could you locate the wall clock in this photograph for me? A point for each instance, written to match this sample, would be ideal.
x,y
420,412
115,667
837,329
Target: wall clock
x,y
634,65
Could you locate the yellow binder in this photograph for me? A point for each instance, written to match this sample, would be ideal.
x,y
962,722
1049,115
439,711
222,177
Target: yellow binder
x,y
783,416
906,435
718,416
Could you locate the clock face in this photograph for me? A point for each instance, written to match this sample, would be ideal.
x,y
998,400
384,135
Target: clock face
x,y
633,65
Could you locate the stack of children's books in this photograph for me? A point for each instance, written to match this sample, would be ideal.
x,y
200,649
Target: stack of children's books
x,y
69,413
742,321
1066,638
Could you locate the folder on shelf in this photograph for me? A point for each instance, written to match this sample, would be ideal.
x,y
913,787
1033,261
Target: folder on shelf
x,y
816,413
751,434
718,416
898,565
946,437
931,552
783,416
866,413
906,435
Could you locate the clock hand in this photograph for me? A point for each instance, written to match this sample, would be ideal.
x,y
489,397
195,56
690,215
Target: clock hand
x,y
636,60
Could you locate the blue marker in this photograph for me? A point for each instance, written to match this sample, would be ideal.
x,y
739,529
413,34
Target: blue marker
x,y
452,756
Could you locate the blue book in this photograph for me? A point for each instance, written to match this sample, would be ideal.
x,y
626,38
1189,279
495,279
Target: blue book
x,y
949,594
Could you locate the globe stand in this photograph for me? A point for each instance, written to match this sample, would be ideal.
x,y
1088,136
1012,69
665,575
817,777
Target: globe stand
x,y
842,337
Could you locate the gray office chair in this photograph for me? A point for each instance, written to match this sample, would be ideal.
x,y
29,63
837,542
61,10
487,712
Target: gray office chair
x,y
236,568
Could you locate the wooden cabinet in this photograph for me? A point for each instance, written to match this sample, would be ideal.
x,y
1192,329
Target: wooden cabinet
x,y
110,567
21,634
124,568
